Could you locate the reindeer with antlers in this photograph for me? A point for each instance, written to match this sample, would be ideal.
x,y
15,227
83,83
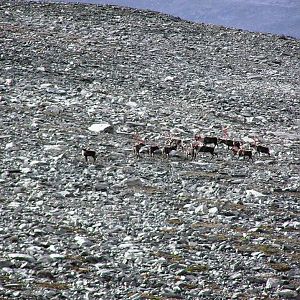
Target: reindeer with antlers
x,y
259,148
174,141
245,153
199,146
172,144
242,152
152,149
229,143
139,143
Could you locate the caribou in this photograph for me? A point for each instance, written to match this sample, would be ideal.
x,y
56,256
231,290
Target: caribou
x,y
230,143
260,149
152,149
137,147
86,153
245,153
168,149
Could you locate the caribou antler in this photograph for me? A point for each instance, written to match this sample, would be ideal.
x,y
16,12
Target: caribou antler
x,y
225,132
256,140
137,138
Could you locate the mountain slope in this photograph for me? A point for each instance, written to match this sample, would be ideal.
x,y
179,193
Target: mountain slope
x,y
127,227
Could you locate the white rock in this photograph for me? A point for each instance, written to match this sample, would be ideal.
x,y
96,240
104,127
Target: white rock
x,y
11,146
131,182
25,170
41,69
202,208
9,81
37,163
86,94
83,241
290,224
253,193
56,256
183,194
287,293
188,206
249,119
21,256
125,245
53,147
14,204
257,254
106,272
132,254
272,283
52,248
45,85
236,275
205,292
169,78
132,104
101,127
64,193
247,139
213,211
53,110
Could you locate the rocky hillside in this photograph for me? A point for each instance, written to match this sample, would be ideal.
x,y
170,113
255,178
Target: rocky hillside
x,y
84,76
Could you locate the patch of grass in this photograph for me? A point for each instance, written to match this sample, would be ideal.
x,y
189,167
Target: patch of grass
x,y
265,229
173,258
175,221
189,286
4,278
213,286
221,237
76,258
150,296
206,225
238,229
70,229
149,190
168,230
295,258
280,267
10,284
197,268
235,206
268,250
18,286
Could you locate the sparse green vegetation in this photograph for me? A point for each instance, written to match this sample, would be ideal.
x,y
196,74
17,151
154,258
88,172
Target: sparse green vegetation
x,y
280,267
150,190
196,268
266,249
175,221
149,296
169,256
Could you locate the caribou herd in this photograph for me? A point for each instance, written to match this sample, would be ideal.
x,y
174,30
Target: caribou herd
x,y
192,148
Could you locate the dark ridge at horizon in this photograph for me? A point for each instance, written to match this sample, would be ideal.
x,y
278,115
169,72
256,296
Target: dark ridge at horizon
x,y
268,16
